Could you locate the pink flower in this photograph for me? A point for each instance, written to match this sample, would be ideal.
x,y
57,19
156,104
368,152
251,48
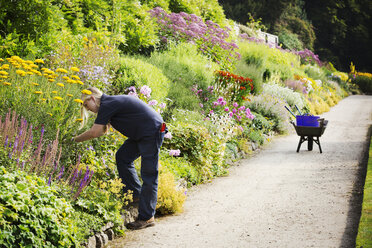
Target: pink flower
x,y
227,109
153,102
168,135
145,90
174,153
231,114
235,104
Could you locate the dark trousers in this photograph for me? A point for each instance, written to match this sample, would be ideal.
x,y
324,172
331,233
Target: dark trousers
x,y
148,148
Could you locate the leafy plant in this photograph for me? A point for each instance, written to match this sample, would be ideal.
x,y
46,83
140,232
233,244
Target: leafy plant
x,y
138,73
32,214
170,199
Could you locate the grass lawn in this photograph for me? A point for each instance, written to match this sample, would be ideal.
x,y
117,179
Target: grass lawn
x,y
364,238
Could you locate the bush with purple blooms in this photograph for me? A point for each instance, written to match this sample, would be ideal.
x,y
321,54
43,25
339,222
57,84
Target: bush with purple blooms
x,y
308,57
210,38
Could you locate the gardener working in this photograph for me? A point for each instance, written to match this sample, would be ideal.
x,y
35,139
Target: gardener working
x,y
145,130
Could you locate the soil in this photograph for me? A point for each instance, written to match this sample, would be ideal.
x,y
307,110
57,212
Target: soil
x,y
278,197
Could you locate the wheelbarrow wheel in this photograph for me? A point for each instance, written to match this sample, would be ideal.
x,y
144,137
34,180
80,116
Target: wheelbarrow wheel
x,y
310,142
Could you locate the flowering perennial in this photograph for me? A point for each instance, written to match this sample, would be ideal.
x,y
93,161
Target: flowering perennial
x,y
210,38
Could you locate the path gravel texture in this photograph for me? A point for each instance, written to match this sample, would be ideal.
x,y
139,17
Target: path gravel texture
x,y
278,198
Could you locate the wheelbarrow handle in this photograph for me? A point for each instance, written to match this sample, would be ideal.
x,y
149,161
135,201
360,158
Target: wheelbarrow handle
x,y
290,111
298,109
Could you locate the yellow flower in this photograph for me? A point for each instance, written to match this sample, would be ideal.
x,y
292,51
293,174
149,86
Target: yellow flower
x,y
44,69
79,119
6,83
54,92
1,60
70,95
38,92
3,76
36,84
21,72
61,70
75,69
50,114
58,98
79,82
78,101
86,92
61,84
39,61
34,66
43,99
51,80
70,81
3,73
66,78
5,67
85,39
29,73
75,77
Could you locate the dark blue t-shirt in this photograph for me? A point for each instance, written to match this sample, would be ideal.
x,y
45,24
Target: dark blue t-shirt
x,y
129,115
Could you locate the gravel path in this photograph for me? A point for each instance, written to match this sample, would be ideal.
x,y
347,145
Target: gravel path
x,y
278,198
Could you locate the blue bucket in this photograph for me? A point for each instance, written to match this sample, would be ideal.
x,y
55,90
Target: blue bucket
x,y
307,120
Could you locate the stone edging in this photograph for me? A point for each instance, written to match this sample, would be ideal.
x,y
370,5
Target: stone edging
x,y
100,239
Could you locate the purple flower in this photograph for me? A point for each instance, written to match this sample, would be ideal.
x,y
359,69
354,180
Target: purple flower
x,y
153,102
235,104
132,94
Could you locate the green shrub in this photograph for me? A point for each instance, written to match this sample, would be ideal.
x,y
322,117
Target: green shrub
x,y
364,83
198,147
181,168
137,26
288,95
275,64
185,67
272,108
315,72
290,40
137,72
32,214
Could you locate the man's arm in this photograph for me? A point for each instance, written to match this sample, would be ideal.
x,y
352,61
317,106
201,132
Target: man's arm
x,y
95,131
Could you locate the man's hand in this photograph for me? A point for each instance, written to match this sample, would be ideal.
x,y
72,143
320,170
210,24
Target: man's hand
x,y
95,131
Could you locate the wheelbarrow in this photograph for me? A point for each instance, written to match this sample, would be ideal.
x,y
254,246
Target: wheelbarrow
x,y
310,134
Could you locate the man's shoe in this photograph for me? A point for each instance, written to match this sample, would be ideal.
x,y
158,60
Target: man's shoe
x,y
140,224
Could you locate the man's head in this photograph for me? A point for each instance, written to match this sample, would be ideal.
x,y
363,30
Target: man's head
x,y
91,98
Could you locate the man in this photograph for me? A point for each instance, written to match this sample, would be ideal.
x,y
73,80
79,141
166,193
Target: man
x,y
145,130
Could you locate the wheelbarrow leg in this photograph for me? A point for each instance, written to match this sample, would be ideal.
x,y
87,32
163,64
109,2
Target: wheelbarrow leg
x,y
318,142
302,139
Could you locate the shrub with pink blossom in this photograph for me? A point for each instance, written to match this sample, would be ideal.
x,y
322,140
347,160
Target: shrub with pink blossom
x,y
210,38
